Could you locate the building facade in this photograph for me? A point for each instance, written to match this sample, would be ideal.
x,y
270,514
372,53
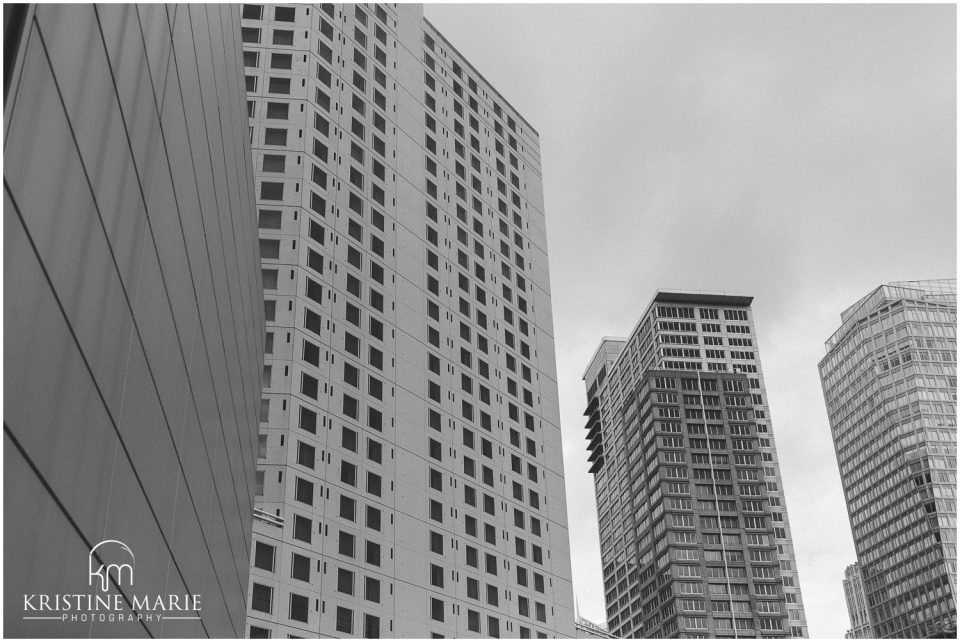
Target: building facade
x,y
133,319
587,629
890,383
856,604
410,473
695,539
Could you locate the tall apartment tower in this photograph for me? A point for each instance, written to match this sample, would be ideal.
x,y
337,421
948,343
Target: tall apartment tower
x,y
890,385
860,627
694,535
134,328
410,476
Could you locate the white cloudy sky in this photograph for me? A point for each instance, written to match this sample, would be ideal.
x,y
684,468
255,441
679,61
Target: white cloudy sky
x,y
802,154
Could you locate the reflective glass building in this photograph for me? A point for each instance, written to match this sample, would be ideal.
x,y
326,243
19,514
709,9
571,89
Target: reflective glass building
x,y
890,385
133,318
695,539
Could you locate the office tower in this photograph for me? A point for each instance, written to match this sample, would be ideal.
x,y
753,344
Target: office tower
x,y
856,604
694,535
410,476
890,384
133,318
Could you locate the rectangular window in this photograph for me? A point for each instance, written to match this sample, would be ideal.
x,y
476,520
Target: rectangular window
x,y
344,620
261,598
269,249
273,136
279,111
306,455
371,589
436,575
279,85
269,219
282,37
348,508
346,544
304,491
263,556
344,581
302,528
300,567
436,609
281,61
274,163
371,627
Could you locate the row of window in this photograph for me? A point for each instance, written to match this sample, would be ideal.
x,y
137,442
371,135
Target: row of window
x,y
680,312
299,611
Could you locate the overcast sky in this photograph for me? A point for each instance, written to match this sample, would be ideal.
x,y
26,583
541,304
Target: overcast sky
x,y
800,154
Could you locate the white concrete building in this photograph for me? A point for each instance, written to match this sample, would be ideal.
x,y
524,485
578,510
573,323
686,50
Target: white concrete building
x,y
410,480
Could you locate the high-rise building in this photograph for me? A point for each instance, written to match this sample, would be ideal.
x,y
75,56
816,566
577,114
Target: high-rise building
x,y
133,320
856,604
410,478
694,535
890,384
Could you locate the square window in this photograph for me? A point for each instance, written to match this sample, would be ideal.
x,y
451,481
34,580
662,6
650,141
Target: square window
x,y
302,528
300,568
304,491
261,598
263,556
270,248
306,455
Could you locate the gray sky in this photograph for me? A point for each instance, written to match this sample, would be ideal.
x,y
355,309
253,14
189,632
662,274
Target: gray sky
x,y
801,154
